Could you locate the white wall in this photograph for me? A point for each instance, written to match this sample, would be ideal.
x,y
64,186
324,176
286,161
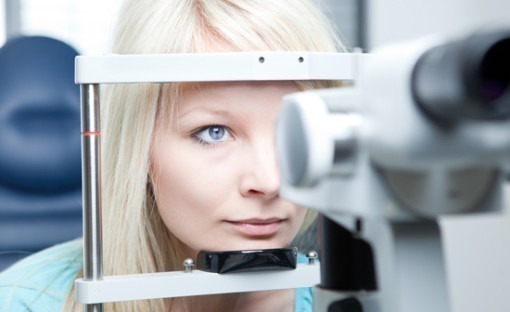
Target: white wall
x,y
2,22
478,262
343,14
85,24
397,20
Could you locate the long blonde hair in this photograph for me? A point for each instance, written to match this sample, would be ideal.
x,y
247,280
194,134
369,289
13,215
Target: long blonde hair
x,y
135,238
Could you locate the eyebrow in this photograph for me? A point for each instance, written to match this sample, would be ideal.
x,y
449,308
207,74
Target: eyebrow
x,y
207,110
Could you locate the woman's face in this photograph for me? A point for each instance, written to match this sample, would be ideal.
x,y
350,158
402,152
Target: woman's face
x,y
215,170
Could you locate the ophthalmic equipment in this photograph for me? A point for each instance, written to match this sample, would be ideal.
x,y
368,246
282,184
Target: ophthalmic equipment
x,y
94,288
423,132
420,132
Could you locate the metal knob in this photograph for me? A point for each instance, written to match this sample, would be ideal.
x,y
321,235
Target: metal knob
x,y
312,255
188,265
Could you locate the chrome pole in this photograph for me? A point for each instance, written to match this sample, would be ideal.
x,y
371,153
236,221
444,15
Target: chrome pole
x,y
91,179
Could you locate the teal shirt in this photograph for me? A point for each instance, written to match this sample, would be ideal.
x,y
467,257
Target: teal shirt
x,y
41,282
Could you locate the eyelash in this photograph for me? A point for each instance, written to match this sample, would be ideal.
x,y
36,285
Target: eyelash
x,y
195,135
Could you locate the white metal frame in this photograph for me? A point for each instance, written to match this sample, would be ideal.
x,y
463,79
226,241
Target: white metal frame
x,y
227,66
179,284
91,71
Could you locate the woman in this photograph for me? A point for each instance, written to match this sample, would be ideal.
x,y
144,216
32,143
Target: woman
x,y
192,166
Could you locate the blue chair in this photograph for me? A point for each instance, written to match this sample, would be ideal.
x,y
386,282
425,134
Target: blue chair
x,y
40,157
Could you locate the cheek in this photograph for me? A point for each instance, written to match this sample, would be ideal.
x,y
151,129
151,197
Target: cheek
x,y
182,211
189,194
192,186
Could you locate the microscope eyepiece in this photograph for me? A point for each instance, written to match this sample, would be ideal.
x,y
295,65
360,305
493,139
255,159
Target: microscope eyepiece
x,y
465,79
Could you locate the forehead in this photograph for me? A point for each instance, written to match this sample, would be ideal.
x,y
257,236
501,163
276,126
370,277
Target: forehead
x,y
229,93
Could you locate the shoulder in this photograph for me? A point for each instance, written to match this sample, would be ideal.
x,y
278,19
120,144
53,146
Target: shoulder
x,y
42,280
303,296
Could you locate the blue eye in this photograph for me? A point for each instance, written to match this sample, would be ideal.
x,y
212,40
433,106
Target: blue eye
x,y
212,135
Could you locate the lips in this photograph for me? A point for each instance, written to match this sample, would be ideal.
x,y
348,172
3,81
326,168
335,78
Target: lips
x,y
258,227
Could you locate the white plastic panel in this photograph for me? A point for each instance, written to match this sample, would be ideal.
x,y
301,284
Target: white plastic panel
x,y
229,66
178,284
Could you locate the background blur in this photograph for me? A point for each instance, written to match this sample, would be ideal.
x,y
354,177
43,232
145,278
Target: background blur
x,y
83,24
87,24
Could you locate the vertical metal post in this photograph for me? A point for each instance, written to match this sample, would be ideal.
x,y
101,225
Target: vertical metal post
x,y
91,175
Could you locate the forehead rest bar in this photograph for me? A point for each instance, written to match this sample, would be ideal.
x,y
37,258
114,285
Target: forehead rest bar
x,y
229,66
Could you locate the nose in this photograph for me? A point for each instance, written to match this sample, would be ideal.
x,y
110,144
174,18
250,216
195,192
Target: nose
x,y
261,177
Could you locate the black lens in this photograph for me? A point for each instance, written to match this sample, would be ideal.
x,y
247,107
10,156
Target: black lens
x,y
495,72
465,79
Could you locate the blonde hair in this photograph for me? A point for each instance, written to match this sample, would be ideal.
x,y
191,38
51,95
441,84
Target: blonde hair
x,y
135,238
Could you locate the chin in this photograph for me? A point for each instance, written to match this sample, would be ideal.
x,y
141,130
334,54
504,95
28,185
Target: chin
x,y
243,243
258,244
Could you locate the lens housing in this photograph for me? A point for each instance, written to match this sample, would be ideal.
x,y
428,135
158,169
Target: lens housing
x,y
465,79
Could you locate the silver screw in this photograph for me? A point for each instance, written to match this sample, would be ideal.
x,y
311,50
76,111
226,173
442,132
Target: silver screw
x,y
188,265
312,255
